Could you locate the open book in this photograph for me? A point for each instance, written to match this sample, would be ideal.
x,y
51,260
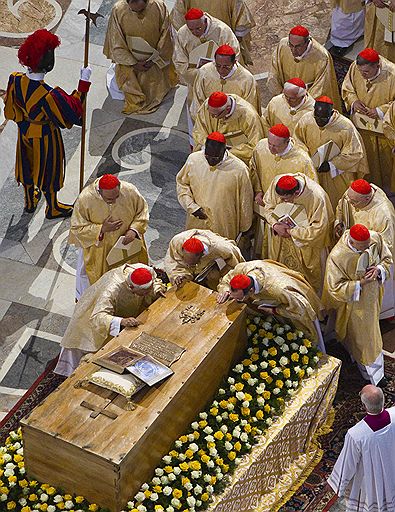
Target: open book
x,y
325,153
367,123
122,253
386,17
293,215
202,54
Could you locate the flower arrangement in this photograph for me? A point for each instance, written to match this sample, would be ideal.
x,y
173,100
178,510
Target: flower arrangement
x,y
200,463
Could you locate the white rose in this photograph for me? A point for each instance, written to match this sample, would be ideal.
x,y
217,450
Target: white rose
x,y
210,439
178,445
58,498
284,348
154,496
291,392
232,389
300,334
246,403
140,496
225,415
295,384
175,502
248,446
210,464
261,401
44,497
167,490
20,451
220,476
316,359
170,509
221,391
141,508
181,457
167,459
156,480
279,340
231,380
188,486
243,423
145,486
238,368
176,470
51,508
297,369
265,342
210,489
3,497
253,367
218,419
191,501
244,437
69,504
22,471
203,415
11,484
159,471
10,465
207,478
276,391
228,446
263,365
213,452
206,430
198,489
240,395
269,421
7,457
9,472
171,477
288,383
196,474
23,502
276,370
284,361
249,332
224,429
237,461
164,480
303,349
280,330
294,346
195,425
267,326
309,370
191,438
252,382
265,353
236,433
194,447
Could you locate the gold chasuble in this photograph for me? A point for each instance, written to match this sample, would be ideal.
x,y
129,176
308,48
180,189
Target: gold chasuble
x,y
132,37
89,327
234,13
216,247
310,239
357,307
278,111
351,163
374,34
315,69
239,81
376,93
378,215
287,290
264,166
90,211
242,128
224,192
191,52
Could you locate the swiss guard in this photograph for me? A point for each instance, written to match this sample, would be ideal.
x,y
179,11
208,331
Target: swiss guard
x,y
40,112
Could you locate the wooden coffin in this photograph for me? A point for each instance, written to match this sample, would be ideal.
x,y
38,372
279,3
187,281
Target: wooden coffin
x,y
106,460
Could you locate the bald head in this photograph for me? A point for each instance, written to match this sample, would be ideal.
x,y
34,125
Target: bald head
x,y
372,398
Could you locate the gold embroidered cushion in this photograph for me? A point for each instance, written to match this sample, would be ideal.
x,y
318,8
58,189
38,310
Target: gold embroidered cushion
x,y
126,385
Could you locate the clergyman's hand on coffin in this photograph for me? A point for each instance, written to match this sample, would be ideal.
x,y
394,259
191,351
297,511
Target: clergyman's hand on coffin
x,y
324,167
200,214
180,280
129,322
267,310
222,297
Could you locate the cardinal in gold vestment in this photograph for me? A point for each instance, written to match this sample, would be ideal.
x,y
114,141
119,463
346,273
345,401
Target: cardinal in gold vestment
x,y
288,107
139,43
368,89
235,118
299,55
105,210
278,154
356,296
194,250
113,302
277,288
236,80
302,247
191,38
215,190
325,125
374,33
234,13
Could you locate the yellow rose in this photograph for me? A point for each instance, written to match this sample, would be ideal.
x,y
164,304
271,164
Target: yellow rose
x,y
214,411
168,469
247,428
237,446
228,436
269,335
205,458
213,480
159,507
67,497
43,506
21,465
290,336
26,509
147,493
232,400
93,507
12,478
272,351
211,444
252,327
248,397
264,375
79,499
11,505
157,488
225,468
287,373
184,480
245,411
305,360
259,414
295,357
219,462
184,466
204,496
231,455
269,379
245,376
23,483
239,386
33,497
51,490
173,453
177,493
202,423
266,395
189,454
301,374
272,363
307,343
18,458
267,408
233,417
183,439
4,490
60,505
279,383
223,404
254,357
219,435
195,465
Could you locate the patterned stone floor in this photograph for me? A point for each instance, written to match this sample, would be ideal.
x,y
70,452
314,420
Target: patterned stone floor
x,y
37,266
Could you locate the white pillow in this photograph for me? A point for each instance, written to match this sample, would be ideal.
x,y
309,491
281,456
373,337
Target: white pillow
x,y
126,385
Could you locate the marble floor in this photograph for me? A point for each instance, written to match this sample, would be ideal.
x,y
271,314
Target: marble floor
x,y
37,266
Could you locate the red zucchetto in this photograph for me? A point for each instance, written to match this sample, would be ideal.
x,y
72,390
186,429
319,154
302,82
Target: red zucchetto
x,y
225,49
299,30
287,182
141,278
361,187
359,232
194,14
296,81
218,137
370,55
108,182
217,99
324,99
280,130
240,282
193,245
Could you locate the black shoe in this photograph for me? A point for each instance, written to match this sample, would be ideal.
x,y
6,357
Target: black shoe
x,y
383,383
340,51
58,214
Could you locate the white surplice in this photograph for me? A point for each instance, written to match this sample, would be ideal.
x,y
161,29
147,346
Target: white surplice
x,y
365,471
